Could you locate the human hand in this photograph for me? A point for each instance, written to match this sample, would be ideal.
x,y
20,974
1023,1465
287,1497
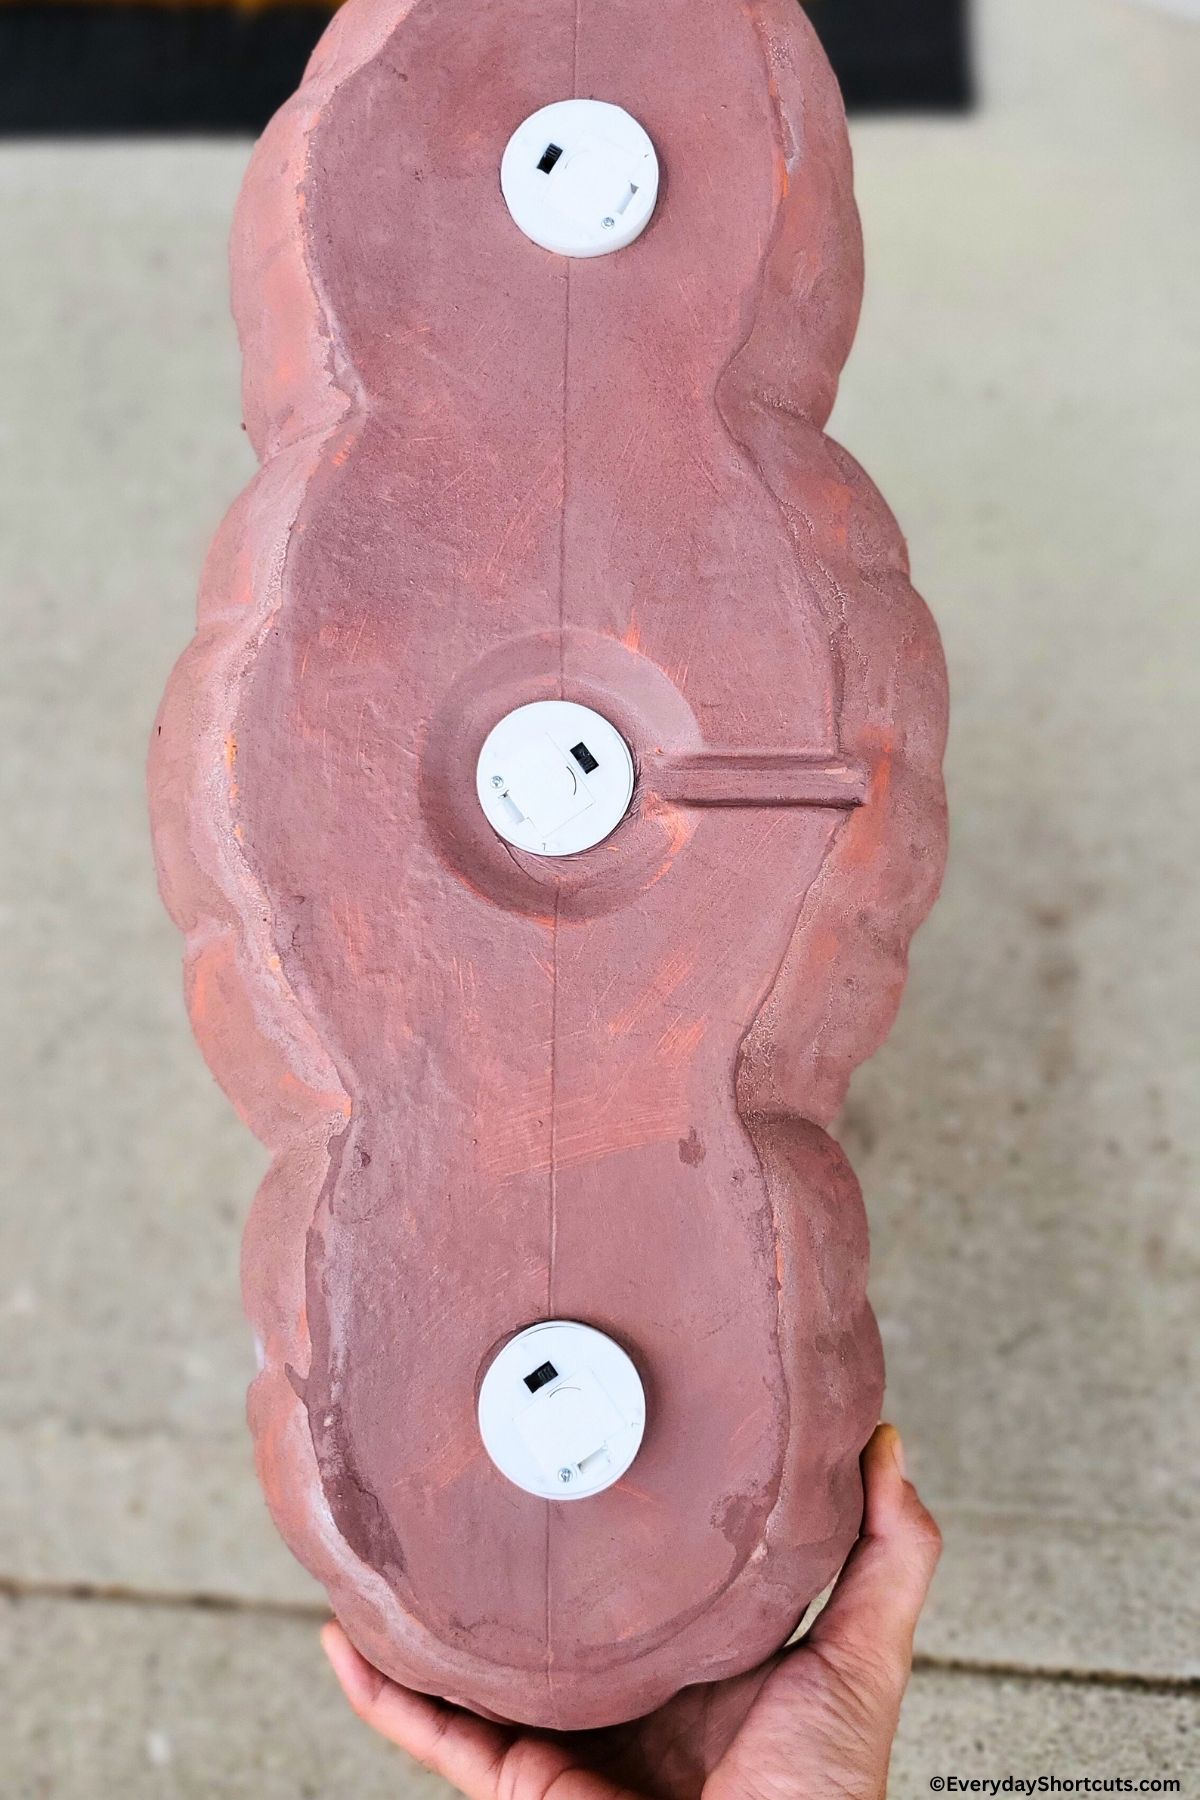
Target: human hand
x,y
815,1721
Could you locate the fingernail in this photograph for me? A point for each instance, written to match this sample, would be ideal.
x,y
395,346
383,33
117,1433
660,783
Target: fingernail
x,y
898,1452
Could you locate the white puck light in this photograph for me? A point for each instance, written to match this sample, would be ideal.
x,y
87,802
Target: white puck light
x,y
580,177
562,1411
554,777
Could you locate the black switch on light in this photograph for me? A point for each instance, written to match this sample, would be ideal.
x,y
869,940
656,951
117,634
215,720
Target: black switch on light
x,y
540,1377
584,758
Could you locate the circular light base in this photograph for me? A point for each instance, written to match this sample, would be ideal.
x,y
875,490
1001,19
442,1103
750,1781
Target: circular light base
x,y
554,778
562,1411
580,177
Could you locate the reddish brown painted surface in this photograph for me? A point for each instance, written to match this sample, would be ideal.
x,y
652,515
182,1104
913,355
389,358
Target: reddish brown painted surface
x,y
498,1088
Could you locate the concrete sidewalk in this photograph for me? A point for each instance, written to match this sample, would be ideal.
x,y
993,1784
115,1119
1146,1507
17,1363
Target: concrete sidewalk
x,y
1024,391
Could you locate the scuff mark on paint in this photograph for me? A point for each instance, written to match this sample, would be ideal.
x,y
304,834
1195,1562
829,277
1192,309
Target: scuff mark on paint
x,y
691,1150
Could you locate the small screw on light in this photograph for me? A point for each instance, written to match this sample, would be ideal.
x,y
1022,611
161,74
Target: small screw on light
x,y
497,781
608,223
565,1475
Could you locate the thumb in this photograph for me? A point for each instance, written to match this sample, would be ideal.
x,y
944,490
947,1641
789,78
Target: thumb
x,y
866,1630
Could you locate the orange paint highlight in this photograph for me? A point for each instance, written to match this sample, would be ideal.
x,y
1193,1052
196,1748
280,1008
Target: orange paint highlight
x,y
867,828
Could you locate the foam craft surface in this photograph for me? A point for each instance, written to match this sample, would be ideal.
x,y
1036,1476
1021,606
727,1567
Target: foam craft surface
x,y
498,1089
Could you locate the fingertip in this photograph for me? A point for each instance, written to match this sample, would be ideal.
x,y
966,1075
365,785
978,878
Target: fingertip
x,y
873,1611
892,1506
884,1480
884,1451
359,1681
